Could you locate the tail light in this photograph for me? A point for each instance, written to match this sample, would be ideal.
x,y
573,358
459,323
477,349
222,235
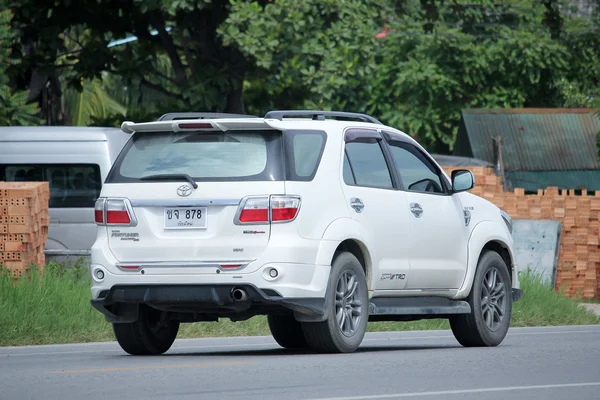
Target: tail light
x,y
99,211
114,212
264,210
284,208
255,210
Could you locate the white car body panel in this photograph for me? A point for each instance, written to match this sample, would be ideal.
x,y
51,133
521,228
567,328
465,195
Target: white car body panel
x,y
438,243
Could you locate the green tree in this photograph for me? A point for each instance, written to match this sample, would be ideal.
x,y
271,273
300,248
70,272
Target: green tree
x,y
202,72
580,86
434,58
91,99
198,54
491,56
308,53
14,108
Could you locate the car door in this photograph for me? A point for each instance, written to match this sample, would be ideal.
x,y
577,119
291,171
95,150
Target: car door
x,y
438,241
382,210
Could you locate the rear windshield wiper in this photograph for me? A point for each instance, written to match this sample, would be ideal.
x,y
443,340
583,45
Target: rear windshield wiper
x,y
161,177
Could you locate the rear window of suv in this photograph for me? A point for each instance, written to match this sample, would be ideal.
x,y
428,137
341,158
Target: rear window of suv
x,y
205,156
221,156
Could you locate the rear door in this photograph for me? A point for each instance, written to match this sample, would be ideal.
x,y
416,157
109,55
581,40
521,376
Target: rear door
x,y
381,209
173,222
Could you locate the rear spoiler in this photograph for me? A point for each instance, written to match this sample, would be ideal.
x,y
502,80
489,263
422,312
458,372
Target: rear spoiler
x,y
183,125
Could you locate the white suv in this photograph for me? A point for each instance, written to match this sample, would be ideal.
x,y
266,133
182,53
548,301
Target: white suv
x,y
320,220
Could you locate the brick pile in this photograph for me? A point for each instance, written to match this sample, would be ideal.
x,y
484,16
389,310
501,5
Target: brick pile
x,y
579,254
23,225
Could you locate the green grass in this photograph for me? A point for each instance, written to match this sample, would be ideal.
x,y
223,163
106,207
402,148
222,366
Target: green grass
x,y
55,308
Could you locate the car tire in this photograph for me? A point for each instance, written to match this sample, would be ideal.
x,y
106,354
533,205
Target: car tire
x,y
491,305
287,332
346,323
151,334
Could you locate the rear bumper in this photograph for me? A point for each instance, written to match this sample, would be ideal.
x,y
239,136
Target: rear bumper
x,y
294,279
202,302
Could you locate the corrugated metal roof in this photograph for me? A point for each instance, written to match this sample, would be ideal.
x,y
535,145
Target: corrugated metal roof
x,y
532,139
456,161
534,180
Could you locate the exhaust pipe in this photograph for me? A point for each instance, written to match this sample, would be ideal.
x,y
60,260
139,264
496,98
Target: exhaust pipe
x,y
239,294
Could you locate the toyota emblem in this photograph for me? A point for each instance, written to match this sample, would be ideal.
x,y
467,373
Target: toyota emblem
x,y
184,190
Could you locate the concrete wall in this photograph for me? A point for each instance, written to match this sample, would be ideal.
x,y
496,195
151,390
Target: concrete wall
x,y
537,247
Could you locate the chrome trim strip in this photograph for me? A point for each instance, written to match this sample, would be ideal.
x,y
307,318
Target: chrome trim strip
x,y
183,264
184,202
419,290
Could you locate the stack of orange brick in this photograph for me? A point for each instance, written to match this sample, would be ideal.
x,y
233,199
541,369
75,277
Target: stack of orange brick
x,y
579,253
23,225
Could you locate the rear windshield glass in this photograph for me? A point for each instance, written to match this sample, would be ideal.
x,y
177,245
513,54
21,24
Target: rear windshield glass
x,y
239,155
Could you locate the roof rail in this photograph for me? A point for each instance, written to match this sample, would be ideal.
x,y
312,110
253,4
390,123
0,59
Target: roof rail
x,y
319,115
200,115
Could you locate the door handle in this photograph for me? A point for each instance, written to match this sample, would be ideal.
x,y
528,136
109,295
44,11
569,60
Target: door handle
x,y
416,209
357,204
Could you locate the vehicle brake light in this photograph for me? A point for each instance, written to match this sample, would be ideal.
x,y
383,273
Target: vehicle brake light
x,y
116,213
263,210
284,208
195,126
99,211
113,212
255,210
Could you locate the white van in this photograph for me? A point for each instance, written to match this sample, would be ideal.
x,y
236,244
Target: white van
x,y
75,160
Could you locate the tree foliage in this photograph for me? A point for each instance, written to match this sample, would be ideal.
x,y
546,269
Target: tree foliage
x,y
14,109
313,54
201,72
489,57
432,59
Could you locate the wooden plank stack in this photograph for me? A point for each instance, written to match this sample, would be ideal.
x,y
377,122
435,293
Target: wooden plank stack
x,y
579,253
23,225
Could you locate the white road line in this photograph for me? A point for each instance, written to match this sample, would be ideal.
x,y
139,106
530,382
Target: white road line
x,y
551,333
464,391
246,345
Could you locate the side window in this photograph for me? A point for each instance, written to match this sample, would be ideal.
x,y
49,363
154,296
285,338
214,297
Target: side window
x,y
416,172
71,185
307,149
367,165
348,174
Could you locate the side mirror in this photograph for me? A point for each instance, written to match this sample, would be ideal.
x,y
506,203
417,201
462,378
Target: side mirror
x,y
462,180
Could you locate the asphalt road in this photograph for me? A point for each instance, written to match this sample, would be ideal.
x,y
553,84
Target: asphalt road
x,y
532,363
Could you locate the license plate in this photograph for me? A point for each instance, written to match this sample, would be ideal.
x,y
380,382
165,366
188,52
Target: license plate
x,y
185,218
